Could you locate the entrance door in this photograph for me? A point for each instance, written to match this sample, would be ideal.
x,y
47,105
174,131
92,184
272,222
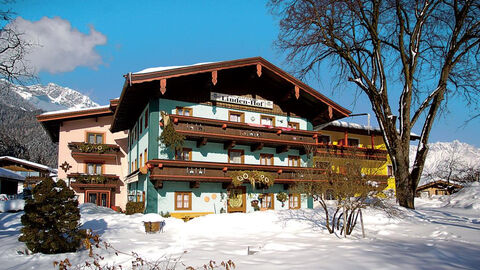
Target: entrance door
x,y
237,199
100,198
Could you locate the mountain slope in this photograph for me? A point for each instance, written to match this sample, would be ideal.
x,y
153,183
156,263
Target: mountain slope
x,y
48,97
456,154
20,133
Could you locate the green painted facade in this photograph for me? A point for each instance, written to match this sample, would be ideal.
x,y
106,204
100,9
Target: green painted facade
x,y
208,197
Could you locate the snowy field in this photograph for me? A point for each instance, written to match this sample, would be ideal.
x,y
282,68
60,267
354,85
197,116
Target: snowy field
x,y
442,233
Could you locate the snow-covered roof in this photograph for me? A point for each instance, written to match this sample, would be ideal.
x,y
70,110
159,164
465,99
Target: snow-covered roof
x,y
351,125
156,69
76,110
29,163
4,173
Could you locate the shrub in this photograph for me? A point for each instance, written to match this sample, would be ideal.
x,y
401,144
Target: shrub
x,y
52,219
134,207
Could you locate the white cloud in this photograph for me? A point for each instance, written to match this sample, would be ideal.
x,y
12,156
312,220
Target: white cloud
x,y
59,47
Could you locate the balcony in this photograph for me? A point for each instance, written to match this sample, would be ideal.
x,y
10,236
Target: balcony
x,y
203,130
94,179
196,172
342,151
89,150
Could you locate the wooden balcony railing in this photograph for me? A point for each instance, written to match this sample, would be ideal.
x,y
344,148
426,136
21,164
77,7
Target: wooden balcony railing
x,y
205,130
82,178
196,172
82,149
330,150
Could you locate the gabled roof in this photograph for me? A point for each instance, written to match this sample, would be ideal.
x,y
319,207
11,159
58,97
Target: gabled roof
x,y
439,183
27,163
51,121
123,119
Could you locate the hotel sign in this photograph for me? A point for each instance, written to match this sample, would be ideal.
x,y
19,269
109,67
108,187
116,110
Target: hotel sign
x,y
241,100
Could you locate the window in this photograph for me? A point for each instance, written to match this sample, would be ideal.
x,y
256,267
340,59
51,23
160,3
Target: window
x,y
324,139
294,161
136,164
184,154
267,120
131,167
146,118
236,117
293,125
235,156
184,111
183,201
94,168
267,201
266,159
140,125
353,142
141,160
95,138
145,155
390,170
294,201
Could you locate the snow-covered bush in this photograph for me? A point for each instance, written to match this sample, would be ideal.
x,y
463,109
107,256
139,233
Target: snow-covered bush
x,y
52,219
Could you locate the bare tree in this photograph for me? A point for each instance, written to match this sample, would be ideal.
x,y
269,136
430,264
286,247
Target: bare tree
x,y
13,48
429,47
351,185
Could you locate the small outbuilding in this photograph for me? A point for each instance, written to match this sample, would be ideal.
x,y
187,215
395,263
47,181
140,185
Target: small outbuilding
x,y
438,187
10,182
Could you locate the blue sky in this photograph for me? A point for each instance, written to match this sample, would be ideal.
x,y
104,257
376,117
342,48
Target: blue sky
x,y
133,35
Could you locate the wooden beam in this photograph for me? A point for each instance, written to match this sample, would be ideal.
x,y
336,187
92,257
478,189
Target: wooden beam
x,y
345,138
372,137
256,147
163,86
229,145
202,142
259,70
297,92
283,149
194,184
158,184
214,77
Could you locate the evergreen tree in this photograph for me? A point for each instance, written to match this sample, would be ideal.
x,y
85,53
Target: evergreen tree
x,y
51,219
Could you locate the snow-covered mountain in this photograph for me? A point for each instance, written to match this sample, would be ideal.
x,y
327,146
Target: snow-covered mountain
x,y
440,154
48,97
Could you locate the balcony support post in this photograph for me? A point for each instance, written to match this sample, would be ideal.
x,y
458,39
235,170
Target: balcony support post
x,y
282,149
194,184
202,142
226,185
256,147
229,145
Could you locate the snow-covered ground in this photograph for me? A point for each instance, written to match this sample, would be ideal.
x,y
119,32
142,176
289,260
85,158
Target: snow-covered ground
x,y
440,234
